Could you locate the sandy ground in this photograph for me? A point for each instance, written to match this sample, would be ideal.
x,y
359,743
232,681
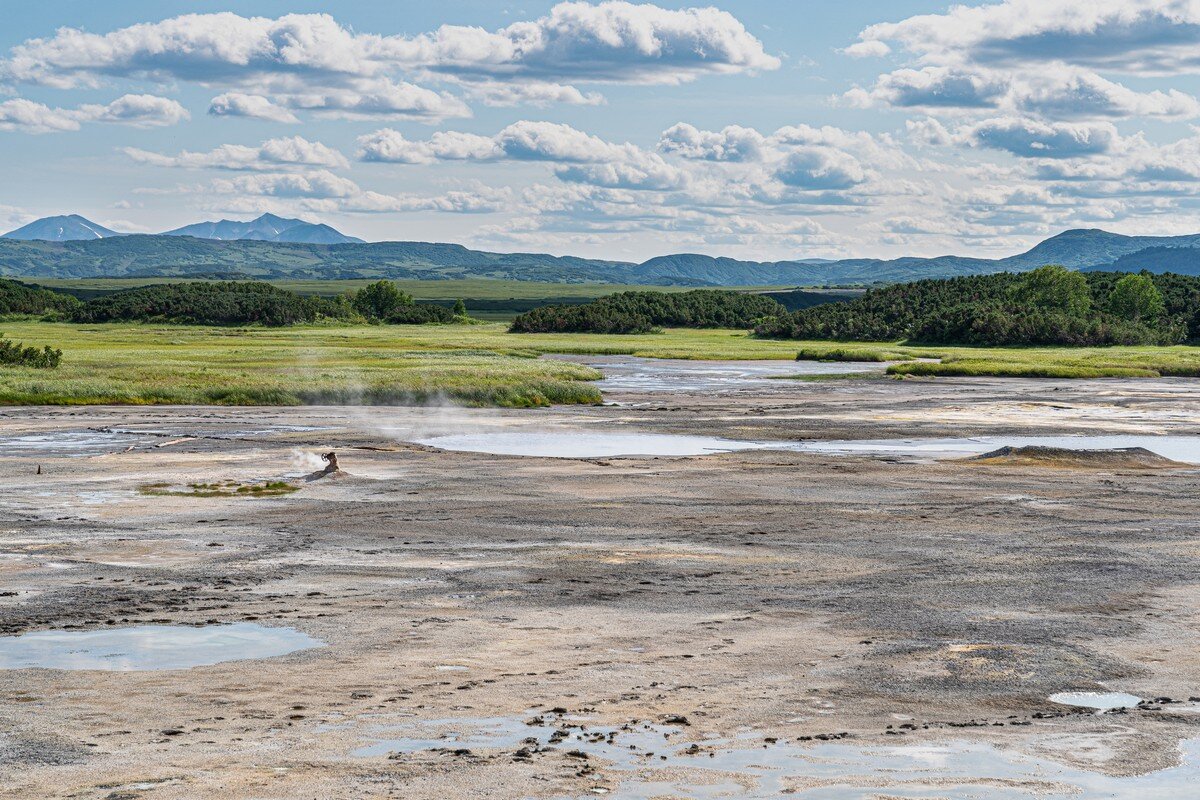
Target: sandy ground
x,y
776,601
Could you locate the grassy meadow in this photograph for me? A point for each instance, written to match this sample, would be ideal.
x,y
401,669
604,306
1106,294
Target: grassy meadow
x,y
466,364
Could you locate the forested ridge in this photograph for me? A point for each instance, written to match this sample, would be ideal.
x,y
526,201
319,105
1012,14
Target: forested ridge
x,y
18,298
1047,306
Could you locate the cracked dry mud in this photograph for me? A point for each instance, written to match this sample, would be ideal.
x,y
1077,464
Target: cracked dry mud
x,y
767,599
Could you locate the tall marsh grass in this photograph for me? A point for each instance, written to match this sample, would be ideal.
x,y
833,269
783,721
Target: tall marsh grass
x,y
478,365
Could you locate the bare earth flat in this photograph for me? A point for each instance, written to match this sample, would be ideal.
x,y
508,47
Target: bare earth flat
x,y
742,624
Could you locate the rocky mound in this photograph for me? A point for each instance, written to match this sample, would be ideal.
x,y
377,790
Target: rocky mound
x,y
1125,457
331,469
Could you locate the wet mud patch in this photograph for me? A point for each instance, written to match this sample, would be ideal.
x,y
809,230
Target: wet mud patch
x,y
1005,671
18,750
1184,449
1040,456
116,552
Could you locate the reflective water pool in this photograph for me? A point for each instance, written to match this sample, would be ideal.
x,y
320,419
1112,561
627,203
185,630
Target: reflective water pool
x,y
1101,701
149,647
587,444
644,761
632,374
69,443
593,444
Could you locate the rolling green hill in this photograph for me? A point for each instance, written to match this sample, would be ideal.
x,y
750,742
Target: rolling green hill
x,y
184,256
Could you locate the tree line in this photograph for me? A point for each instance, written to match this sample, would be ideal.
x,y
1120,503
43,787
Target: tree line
x,y
227,303
644,312
1051,305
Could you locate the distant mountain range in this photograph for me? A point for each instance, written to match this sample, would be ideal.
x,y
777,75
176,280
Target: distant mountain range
x,y
275,248
267,228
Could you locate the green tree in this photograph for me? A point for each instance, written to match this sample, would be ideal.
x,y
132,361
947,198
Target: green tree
x,y
380,300
1056,288
1135,297
460,308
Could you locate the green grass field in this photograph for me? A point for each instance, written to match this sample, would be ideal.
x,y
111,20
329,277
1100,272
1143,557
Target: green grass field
x,y
1016,362
469,364
472,365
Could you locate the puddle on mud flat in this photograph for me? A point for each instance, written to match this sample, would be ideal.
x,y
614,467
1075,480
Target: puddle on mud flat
x,y
1101,701
587,444
599,444
645,761
632,374
72,443
149,647
219,431
1178,448
97,441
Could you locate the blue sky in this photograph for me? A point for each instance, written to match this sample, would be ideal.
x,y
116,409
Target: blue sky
x,y
752,129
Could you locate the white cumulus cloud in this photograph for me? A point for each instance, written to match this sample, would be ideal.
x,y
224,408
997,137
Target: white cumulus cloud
x,y
272,154
250,106
137,110
1033,139
272,67
1135,36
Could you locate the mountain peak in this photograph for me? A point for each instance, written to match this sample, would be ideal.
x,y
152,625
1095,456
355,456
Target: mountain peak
x,y
62,228
1085,233
266,228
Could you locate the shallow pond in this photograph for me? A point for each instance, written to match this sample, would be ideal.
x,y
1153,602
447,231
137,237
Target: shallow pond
x,y
632,374
71,443
565,443
1101,701
98,441
586,444
645,761
149,647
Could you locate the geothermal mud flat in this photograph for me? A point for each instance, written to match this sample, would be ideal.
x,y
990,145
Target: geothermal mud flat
x,y
740,624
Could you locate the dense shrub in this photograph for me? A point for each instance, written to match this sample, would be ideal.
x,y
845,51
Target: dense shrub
x,y
641,312
14,354
1049,306
21,298
212,303
588,318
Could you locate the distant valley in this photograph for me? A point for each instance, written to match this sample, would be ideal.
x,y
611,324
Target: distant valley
x,y
271,247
